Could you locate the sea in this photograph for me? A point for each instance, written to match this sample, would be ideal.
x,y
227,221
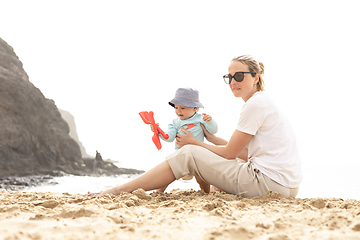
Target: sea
x,y
83,184
340,182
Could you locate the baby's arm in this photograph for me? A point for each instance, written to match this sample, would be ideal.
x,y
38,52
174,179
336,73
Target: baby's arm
x,y
170,139
171,132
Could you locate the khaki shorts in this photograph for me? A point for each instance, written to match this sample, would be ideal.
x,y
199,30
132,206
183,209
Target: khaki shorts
x,y
232,176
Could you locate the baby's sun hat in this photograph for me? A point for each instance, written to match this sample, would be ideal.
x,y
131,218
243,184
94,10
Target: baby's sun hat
x,y
186,97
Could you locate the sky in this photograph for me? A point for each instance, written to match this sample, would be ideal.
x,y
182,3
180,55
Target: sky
x,y
105,61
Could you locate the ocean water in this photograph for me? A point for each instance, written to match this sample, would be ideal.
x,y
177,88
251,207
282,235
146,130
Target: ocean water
x,y
82,184
316,183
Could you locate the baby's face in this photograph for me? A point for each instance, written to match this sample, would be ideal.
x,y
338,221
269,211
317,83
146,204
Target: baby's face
x,y
185,112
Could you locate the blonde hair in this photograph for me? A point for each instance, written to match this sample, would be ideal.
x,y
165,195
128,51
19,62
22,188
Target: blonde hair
x,y
254,66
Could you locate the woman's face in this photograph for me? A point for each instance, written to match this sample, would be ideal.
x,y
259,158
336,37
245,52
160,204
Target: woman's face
x,y
247,87
184,112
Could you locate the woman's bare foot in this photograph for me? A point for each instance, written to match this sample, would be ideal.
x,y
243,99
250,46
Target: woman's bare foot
x,y
114,191
92,194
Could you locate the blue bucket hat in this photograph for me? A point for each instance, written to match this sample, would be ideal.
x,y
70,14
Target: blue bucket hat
x,y
186,97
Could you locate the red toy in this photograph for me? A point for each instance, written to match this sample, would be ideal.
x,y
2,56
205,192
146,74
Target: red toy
x,y
148,118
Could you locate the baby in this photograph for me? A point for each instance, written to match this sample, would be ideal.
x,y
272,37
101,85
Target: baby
x,y
186,103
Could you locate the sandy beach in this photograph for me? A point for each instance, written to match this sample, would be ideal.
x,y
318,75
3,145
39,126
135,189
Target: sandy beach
x,y
180,214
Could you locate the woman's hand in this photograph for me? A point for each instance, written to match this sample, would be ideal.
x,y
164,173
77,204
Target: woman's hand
x,y
206,133
185,139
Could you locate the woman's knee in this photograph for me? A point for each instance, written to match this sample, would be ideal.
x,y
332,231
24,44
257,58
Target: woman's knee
x,y
181,154
188,148
196,152
188,152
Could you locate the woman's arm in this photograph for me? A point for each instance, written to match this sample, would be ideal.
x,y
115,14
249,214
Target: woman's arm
x,y
236,146
213,138
222,142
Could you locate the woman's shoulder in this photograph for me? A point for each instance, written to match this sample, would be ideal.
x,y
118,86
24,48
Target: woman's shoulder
x,y
260,102
259,99
259,96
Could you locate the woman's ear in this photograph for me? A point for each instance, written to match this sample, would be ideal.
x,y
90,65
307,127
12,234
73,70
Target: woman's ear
x,y
256,79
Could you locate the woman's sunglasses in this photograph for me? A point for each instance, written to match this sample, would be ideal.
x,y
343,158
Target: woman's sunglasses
x,y
238,76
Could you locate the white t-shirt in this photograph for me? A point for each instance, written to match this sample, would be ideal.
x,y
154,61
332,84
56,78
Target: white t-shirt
x,y
272,148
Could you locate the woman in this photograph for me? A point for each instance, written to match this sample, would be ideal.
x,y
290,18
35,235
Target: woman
x,y
263,138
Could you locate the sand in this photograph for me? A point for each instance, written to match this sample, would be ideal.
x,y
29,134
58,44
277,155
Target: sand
x,y
180,214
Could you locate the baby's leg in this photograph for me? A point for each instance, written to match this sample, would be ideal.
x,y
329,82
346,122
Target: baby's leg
x,y
203,185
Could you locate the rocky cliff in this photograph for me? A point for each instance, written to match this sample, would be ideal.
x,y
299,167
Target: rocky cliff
x,y
34,138
70,120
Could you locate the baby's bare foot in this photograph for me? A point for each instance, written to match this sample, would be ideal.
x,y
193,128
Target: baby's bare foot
x,y
214,189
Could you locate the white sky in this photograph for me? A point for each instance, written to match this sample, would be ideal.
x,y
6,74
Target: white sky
x,y
105,61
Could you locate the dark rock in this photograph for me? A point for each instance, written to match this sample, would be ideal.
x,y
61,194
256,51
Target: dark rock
x,y
107,168
34,137
14,183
